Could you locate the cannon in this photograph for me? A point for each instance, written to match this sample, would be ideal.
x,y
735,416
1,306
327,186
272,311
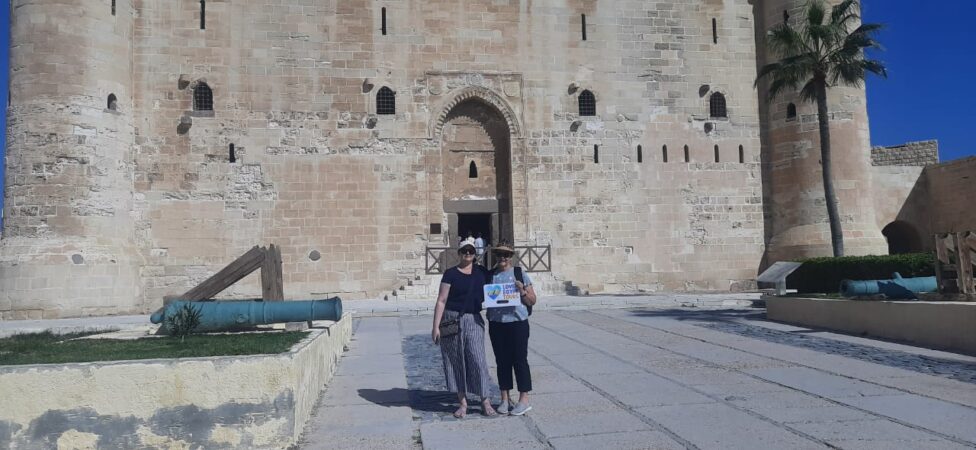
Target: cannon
x,y
232,315
895,288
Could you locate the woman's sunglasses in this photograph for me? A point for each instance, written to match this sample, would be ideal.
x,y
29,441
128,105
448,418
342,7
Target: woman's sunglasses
x,y
466,251
504,254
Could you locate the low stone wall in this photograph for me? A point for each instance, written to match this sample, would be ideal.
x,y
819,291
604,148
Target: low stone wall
x,y
259,401
922,153
941,325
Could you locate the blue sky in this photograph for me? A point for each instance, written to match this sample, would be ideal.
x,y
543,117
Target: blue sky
x,y
930,58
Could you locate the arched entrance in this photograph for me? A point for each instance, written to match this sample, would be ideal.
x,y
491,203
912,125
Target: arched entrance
x,y
902,237
476,163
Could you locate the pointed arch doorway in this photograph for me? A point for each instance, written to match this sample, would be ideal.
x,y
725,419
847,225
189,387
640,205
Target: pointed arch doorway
x,y
476,163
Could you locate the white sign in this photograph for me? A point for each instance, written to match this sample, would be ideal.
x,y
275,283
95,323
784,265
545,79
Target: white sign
x,y
501,295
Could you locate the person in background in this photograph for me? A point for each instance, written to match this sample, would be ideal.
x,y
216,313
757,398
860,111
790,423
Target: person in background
x,y
457,315
479,245
509,332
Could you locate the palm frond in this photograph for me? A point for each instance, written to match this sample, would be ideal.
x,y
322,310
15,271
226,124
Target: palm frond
x,y
784,40
816,12
809,91
845,12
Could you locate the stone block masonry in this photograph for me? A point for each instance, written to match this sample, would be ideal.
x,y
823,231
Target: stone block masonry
x,y
923,153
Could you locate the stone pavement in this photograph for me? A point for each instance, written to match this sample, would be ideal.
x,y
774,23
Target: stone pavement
x,y
658,378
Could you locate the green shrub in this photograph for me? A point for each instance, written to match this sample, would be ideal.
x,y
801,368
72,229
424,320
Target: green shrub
x,y
824,275
184,321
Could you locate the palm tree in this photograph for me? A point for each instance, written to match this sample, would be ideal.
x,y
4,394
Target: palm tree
x,y
824,50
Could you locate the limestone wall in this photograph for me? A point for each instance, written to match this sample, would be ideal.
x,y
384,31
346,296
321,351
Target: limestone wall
x,y
316,168
950,187
922,153
245,402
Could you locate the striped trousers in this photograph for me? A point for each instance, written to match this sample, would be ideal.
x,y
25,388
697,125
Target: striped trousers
x,y
465,366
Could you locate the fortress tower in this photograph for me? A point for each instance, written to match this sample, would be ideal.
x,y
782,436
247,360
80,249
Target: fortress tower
x,y
68,237
797,225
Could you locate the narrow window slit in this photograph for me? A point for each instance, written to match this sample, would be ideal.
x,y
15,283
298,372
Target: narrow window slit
x,y
383,20
583,25
714,31
203,14
790,111
113,7
742,154
472,170
717,159
687,154
664,153
640,154
596,154
233,156
112,103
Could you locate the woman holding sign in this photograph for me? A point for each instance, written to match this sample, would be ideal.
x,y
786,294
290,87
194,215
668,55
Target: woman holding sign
x,y
509,331
460,330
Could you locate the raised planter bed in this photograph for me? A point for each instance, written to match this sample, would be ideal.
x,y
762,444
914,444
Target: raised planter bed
x,y
940,325
257,401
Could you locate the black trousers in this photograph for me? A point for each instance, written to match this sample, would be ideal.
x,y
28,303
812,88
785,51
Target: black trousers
x,y
510,342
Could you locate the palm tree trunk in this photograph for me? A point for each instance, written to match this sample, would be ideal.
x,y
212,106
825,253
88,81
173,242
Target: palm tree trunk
x,y
833,215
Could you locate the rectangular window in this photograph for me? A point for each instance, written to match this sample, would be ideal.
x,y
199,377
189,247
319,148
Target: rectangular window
x,y
583,25
203,14
596,154
383,20
435,228
714,31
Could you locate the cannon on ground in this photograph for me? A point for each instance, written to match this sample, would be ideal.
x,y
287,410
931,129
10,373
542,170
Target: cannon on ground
x,y
234,315
895,288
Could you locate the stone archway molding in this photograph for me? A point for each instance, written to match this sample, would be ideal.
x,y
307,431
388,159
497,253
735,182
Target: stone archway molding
x,y
485,95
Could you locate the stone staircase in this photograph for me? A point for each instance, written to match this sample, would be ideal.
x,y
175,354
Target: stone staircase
x,y
425,286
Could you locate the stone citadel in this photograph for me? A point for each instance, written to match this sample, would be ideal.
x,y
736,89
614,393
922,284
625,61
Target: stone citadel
x,y
151,142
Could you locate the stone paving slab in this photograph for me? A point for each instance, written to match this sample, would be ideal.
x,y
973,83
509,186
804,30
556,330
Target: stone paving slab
x,y
849,434
632,440
819,383
947,418
717,426
493,434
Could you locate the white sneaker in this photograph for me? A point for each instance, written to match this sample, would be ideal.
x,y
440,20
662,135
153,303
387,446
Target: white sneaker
x,y
520,409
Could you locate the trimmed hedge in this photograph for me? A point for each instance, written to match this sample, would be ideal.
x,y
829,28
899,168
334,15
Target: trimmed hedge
x,y
823,275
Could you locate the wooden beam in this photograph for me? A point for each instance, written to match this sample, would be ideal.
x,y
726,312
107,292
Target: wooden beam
x,y
234,272
965,265
272,288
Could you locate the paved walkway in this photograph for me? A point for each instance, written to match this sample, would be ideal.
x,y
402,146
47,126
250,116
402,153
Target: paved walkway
x,y
658,378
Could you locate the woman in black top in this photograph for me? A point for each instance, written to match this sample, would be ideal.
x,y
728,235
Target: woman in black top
x,y
460,298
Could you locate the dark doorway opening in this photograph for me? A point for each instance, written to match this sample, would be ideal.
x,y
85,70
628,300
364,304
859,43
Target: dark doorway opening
x,y
902,237
475,224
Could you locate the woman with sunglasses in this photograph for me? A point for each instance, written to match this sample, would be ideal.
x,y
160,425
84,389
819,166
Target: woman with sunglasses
x,y
509,332
460,330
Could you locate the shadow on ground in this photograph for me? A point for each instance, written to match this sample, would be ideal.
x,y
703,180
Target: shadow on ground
x,y
425,380
707,315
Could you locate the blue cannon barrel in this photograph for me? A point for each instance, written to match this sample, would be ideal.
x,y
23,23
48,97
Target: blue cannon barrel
x,y
897,287
230,315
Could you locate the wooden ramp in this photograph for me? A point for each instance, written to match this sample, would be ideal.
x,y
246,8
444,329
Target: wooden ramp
x,y
955,258
267,259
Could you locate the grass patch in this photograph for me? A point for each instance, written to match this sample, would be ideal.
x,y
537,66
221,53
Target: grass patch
x,y
48,348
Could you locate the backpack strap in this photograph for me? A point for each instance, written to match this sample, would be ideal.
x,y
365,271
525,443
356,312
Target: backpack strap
x,y
518,276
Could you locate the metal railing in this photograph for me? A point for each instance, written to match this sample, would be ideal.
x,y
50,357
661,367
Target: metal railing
x,y
531,258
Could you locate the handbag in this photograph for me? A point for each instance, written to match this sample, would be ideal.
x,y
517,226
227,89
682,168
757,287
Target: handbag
x,y
449,327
